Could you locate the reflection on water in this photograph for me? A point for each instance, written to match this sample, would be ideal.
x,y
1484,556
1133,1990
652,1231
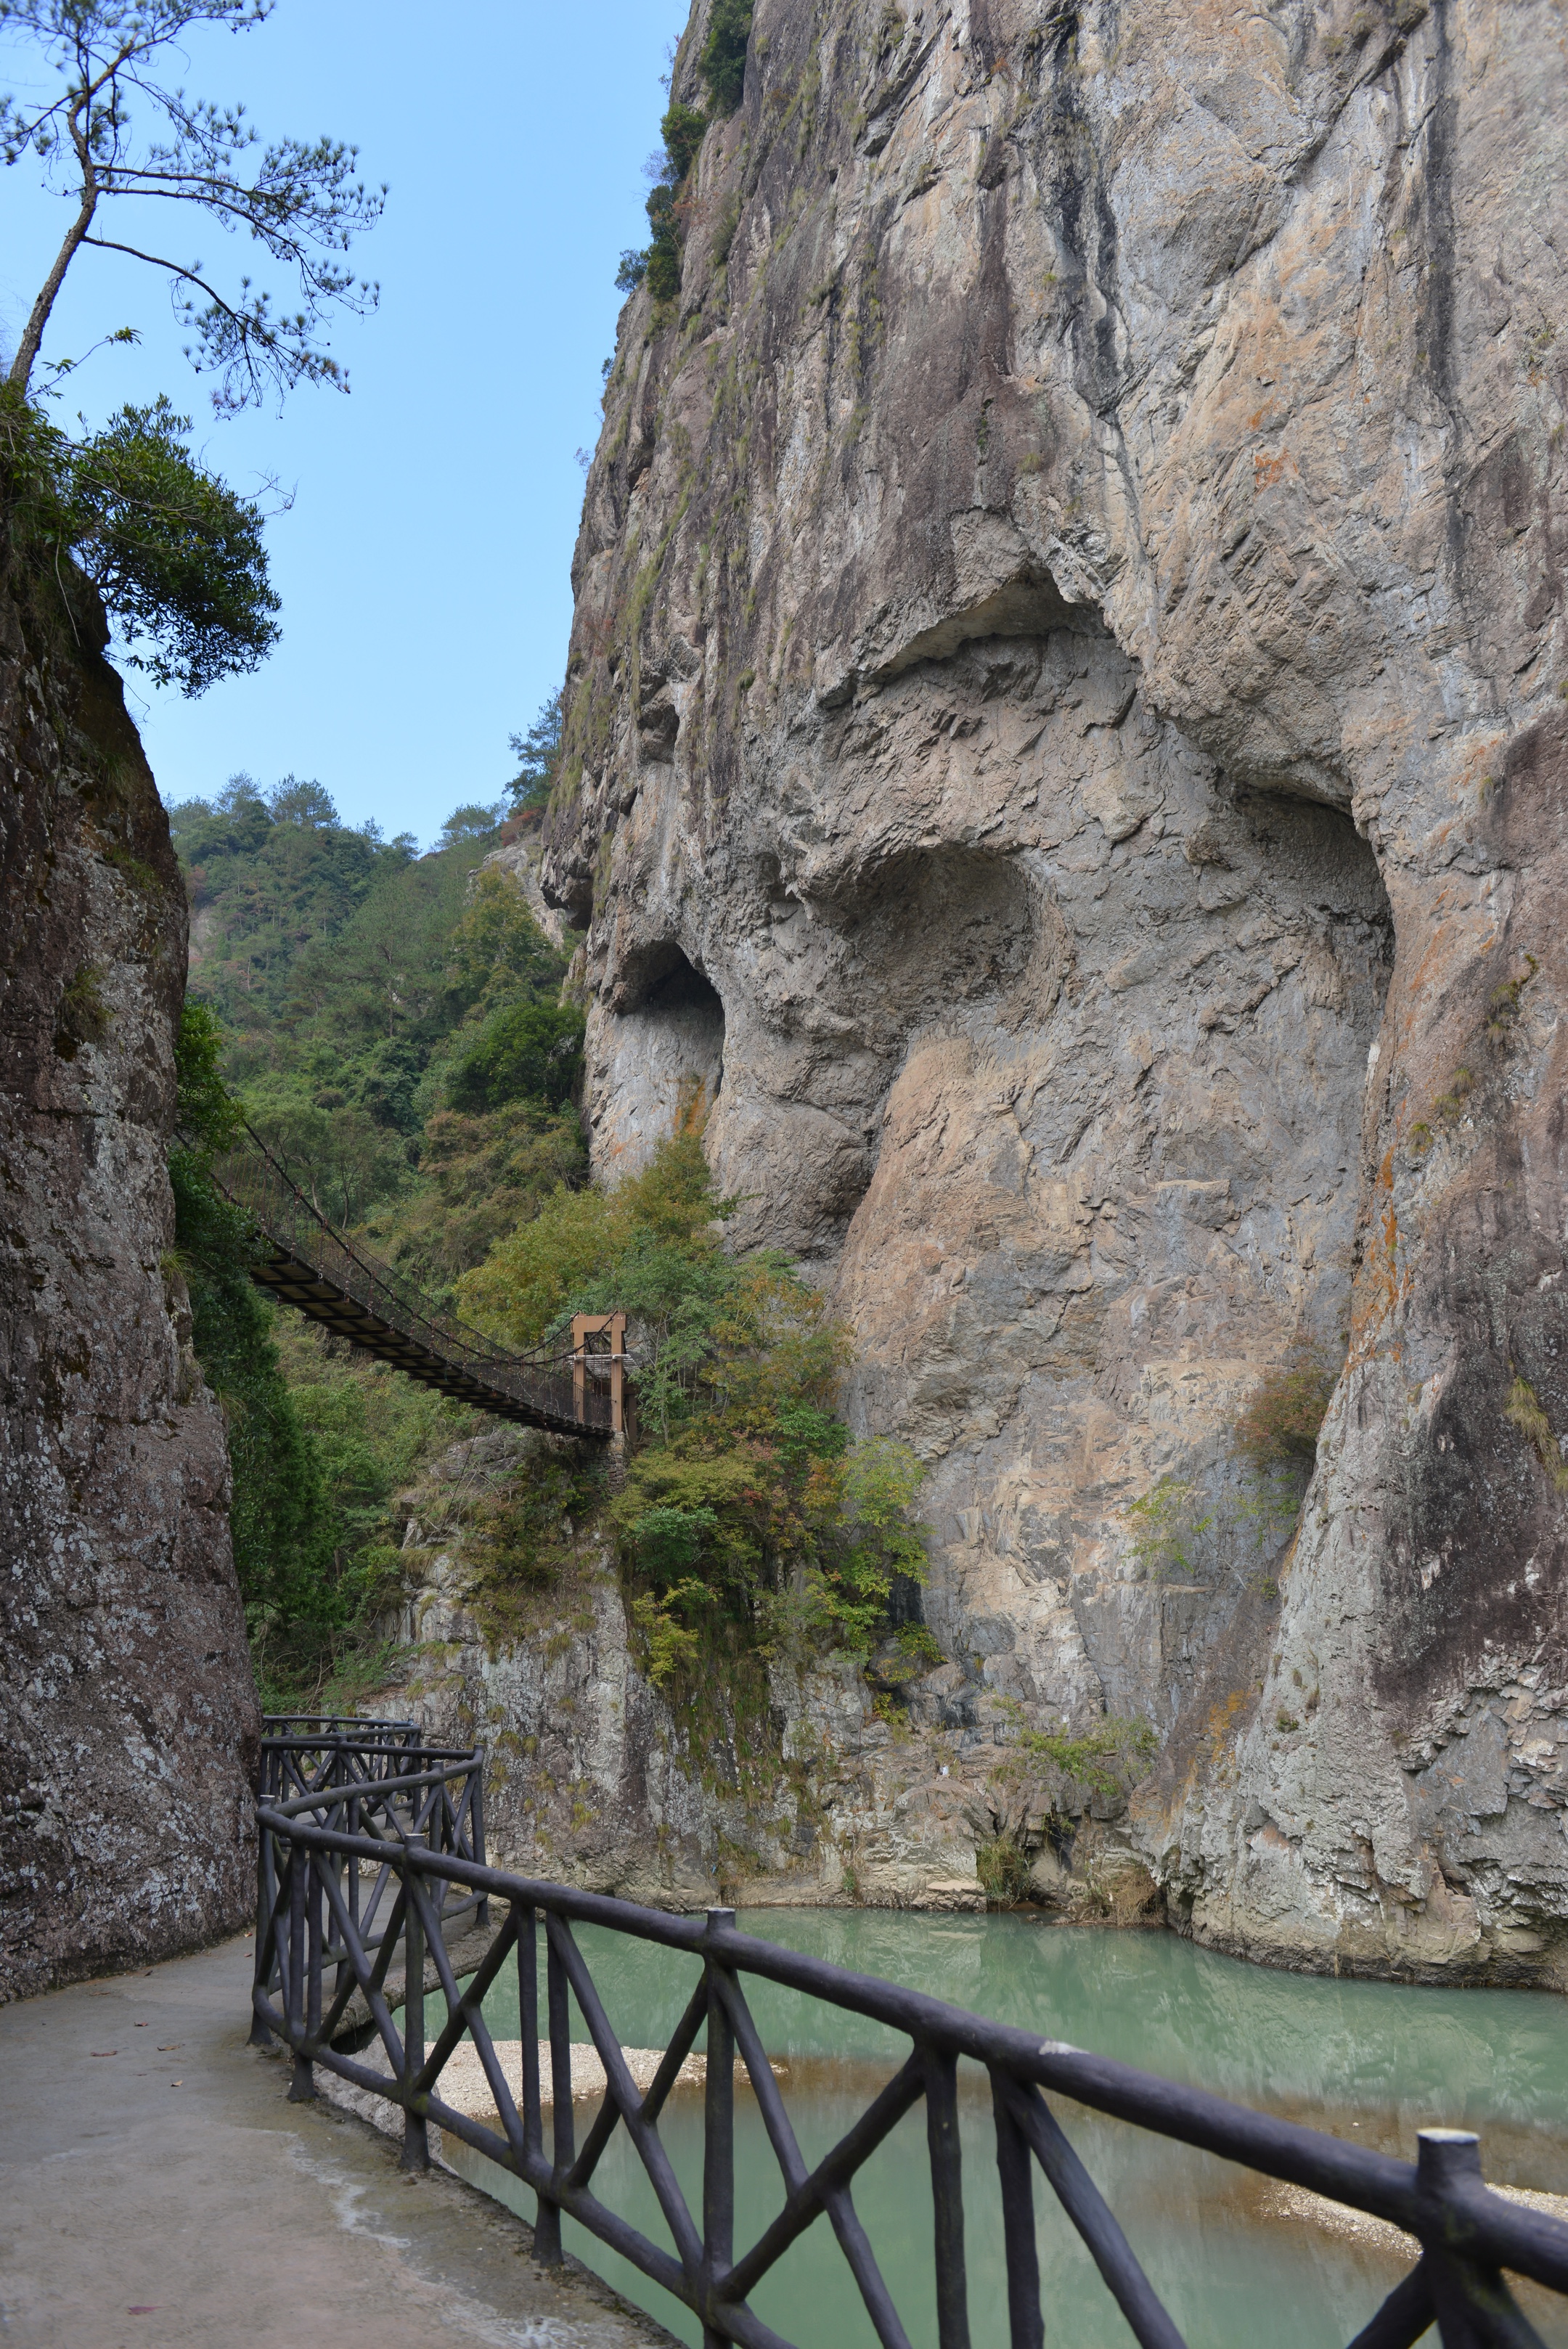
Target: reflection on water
x,y
1368,2060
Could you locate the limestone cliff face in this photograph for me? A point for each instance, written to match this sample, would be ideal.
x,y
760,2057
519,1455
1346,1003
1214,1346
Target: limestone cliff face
x,y
792,1790
127,1714
1068,759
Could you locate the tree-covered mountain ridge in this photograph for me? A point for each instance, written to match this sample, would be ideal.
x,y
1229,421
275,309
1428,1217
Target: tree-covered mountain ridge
x,y
392,1022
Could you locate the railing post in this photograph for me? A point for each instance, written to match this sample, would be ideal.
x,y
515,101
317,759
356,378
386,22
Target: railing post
x,y
562,2120
476,1833
618,1373
302,2088
352,1886
547,2214
947,2195
1473,2306
267,1893
1026,2326
580,1373
416,2152
718,2138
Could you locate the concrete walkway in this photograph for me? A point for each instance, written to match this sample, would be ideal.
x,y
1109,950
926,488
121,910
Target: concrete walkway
x,y
156,2187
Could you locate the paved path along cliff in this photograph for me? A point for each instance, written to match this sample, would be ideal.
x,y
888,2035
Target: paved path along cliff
x,y
159,2187
1065,761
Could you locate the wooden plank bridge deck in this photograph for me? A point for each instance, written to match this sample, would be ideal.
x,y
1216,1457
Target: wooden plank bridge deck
x,y
306,1264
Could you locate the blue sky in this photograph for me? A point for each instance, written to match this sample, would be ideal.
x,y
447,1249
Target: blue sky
x,y
424,567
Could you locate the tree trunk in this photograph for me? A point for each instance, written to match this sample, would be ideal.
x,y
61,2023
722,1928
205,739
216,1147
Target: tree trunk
x,y
28,351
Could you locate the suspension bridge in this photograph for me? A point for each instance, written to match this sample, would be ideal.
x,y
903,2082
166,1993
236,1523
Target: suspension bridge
x,y
305,1262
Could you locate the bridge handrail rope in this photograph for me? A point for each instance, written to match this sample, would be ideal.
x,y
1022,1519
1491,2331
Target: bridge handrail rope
x,y
310,1929
343,1284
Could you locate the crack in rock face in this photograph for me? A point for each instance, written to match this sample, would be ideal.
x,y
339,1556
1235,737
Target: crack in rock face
x,y
1065,772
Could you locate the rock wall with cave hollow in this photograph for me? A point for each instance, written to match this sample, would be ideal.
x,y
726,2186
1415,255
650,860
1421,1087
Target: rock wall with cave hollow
x,y
1066,769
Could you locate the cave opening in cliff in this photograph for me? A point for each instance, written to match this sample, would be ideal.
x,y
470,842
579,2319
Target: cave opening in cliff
x,y
665,981
675,1018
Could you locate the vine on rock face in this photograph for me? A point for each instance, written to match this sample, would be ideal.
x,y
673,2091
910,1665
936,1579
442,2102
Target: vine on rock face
x,y
317,1446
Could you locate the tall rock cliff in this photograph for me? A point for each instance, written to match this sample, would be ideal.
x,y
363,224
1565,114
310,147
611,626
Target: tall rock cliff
x,y
127,1713
1067,761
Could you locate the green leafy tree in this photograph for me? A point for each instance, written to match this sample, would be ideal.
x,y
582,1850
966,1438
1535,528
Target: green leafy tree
x,y
361,987
528,1050
538,756
470,821
271,874
747,1511
300,201
174,554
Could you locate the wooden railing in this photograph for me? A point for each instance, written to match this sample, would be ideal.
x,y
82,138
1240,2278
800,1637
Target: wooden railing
x,y
316,1961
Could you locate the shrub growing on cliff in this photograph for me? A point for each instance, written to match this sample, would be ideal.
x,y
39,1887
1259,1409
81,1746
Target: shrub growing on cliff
x,y
723,62
747,1508
538,755
1278,1422
682,131
1052,1772
661,266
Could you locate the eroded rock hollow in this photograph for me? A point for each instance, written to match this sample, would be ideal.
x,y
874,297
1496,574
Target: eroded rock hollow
x,y
1066,766
128,1711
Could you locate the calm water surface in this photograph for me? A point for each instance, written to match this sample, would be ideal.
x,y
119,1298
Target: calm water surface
x,y
1369,2060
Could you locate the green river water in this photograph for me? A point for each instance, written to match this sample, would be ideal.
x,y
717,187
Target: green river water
x,y
1235,2261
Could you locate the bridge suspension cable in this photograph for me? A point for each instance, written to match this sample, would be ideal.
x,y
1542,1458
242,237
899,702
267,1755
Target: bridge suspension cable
x,y
307,1264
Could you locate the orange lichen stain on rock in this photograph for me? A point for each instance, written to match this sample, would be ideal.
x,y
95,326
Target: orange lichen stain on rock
x,y
1267,470
1222,1719
691,1111
1379,1286
1433,968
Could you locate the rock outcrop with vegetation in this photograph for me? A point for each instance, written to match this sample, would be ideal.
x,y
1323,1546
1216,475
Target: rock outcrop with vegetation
x,y
1062,762
127,1713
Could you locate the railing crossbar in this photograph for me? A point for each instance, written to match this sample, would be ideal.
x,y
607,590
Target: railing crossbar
x,y
607,2119
655,2160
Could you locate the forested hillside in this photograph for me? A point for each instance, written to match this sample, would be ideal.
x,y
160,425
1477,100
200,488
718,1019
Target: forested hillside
x,y
391,1026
